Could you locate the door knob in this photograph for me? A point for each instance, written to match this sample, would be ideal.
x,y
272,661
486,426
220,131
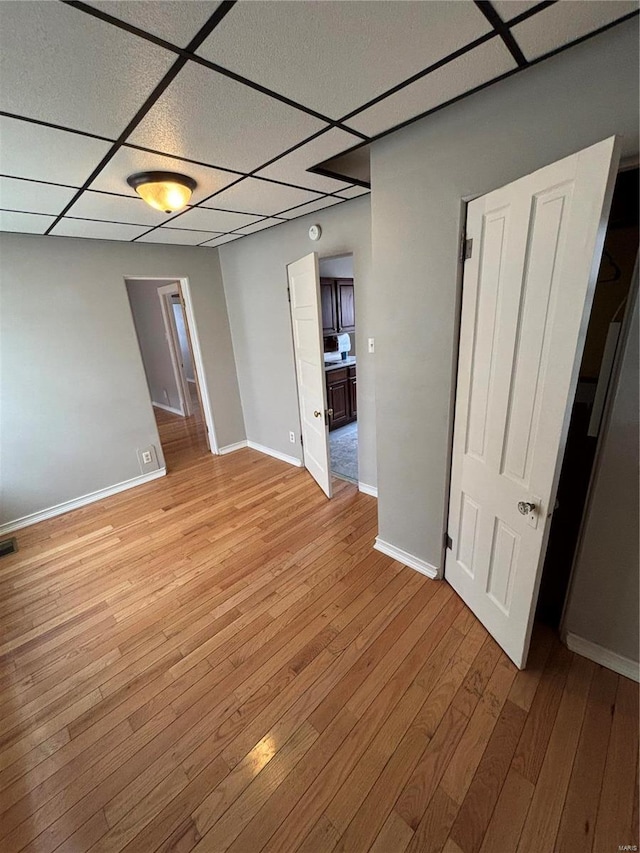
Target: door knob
x,y
330,412
317,414
525,507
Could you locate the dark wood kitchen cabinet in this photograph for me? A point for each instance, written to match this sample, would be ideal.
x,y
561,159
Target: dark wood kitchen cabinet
x,y
346,306
329,307
341,396
338,305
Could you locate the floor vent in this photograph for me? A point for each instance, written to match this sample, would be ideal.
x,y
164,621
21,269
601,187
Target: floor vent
x,y
8,546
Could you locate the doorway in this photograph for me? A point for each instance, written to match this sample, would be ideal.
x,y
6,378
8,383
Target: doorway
x,y
529,276
338,310
603,342
165,338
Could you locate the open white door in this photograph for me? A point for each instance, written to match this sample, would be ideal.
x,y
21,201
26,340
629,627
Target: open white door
x,y
304,295
527,293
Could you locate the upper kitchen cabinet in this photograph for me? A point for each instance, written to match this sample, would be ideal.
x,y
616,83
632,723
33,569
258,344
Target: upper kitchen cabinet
x,y
338,306
329,306
346,307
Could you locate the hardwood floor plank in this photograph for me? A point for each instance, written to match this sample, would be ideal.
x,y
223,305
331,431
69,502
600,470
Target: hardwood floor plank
x,y
578,822
543,819
219,660
509,815
616,807
539,724
476,810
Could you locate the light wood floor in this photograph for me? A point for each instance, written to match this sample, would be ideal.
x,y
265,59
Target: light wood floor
x,y
218,660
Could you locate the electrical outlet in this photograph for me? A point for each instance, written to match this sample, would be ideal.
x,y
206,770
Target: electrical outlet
x,y
371,344
292,437
148,459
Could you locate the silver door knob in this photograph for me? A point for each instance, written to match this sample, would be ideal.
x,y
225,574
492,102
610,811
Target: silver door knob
x,y
525,507
317,414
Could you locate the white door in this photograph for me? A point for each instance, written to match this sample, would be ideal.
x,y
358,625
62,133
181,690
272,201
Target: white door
x,y
527,294
304,293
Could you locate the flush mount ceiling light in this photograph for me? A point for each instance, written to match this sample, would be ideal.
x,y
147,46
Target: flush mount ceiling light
x,y
166,191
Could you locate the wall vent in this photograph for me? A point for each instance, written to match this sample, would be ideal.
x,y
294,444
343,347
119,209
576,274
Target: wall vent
x,y
8,546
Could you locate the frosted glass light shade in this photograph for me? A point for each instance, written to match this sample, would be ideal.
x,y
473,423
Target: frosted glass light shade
x,y
166,191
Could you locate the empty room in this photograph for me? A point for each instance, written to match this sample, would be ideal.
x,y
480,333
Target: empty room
x,y
319,426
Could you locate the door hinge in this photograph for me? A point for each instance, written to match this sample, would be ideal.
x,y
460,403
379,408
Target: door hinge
x,y
301,440
467,249
288,293
447,541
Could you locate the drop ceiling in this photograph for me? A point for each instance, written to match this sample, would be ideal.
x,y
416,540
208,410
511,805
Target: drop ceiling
x,y
248,98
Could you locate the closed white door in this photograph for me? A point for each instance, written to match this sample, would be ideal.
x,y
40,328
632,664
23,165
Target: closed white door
x,y
527,293
304,294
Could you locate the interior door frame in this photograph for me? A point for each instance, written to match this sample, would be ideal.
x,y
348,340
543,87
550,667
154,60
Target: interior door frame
x,y
612,388
182,285
165,292
623,165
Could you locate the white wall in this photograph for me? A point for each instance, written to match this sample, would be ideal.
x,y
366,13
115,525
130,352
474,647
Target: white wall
x,y
255,282
602,607
75,406
419,177
150,330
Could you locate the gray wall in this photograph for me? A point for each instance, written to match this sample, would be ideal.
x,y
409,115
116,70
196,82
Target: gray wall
x,y
75,405
150,330
419,176
603,602
185,350
337,267
255,281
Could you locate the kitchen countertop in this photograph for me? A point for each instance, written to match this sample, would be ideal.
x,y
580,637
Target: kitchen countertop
x,y
350,361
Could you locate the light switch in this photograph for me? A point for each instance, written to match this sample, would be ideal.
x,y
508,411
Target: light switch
x,y
372,344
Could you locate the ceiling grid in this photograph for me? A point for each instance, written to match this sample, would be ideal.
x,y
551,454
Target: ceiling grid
x,y
250,99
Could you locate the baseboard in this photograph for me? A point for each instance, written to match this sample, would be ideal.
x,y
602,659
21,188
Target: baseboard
x,y
168,409
407,559
623,666
229,448
368,490
275,453
76,503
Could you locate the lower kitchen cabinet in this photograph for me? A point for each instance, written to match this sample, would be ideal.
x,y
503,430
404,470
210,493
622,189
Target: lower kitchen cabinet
x,y
341,396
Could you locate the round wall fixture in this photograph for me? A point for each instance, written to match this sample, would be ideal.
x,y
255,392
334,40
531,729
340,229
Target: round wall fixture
x,y
166,191
315,232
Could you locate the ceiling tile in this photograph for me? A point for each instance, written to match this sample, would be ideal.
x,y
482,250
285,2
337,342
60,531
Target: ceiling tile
x,y
128,161
172,20
353,192
97,230
117,208
220,241
260,197
177,236
293,167
310,208
510,9
260,226
194,116
25,223
58,64
473,68
206,219
33,197
309,51
30,150
564,22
